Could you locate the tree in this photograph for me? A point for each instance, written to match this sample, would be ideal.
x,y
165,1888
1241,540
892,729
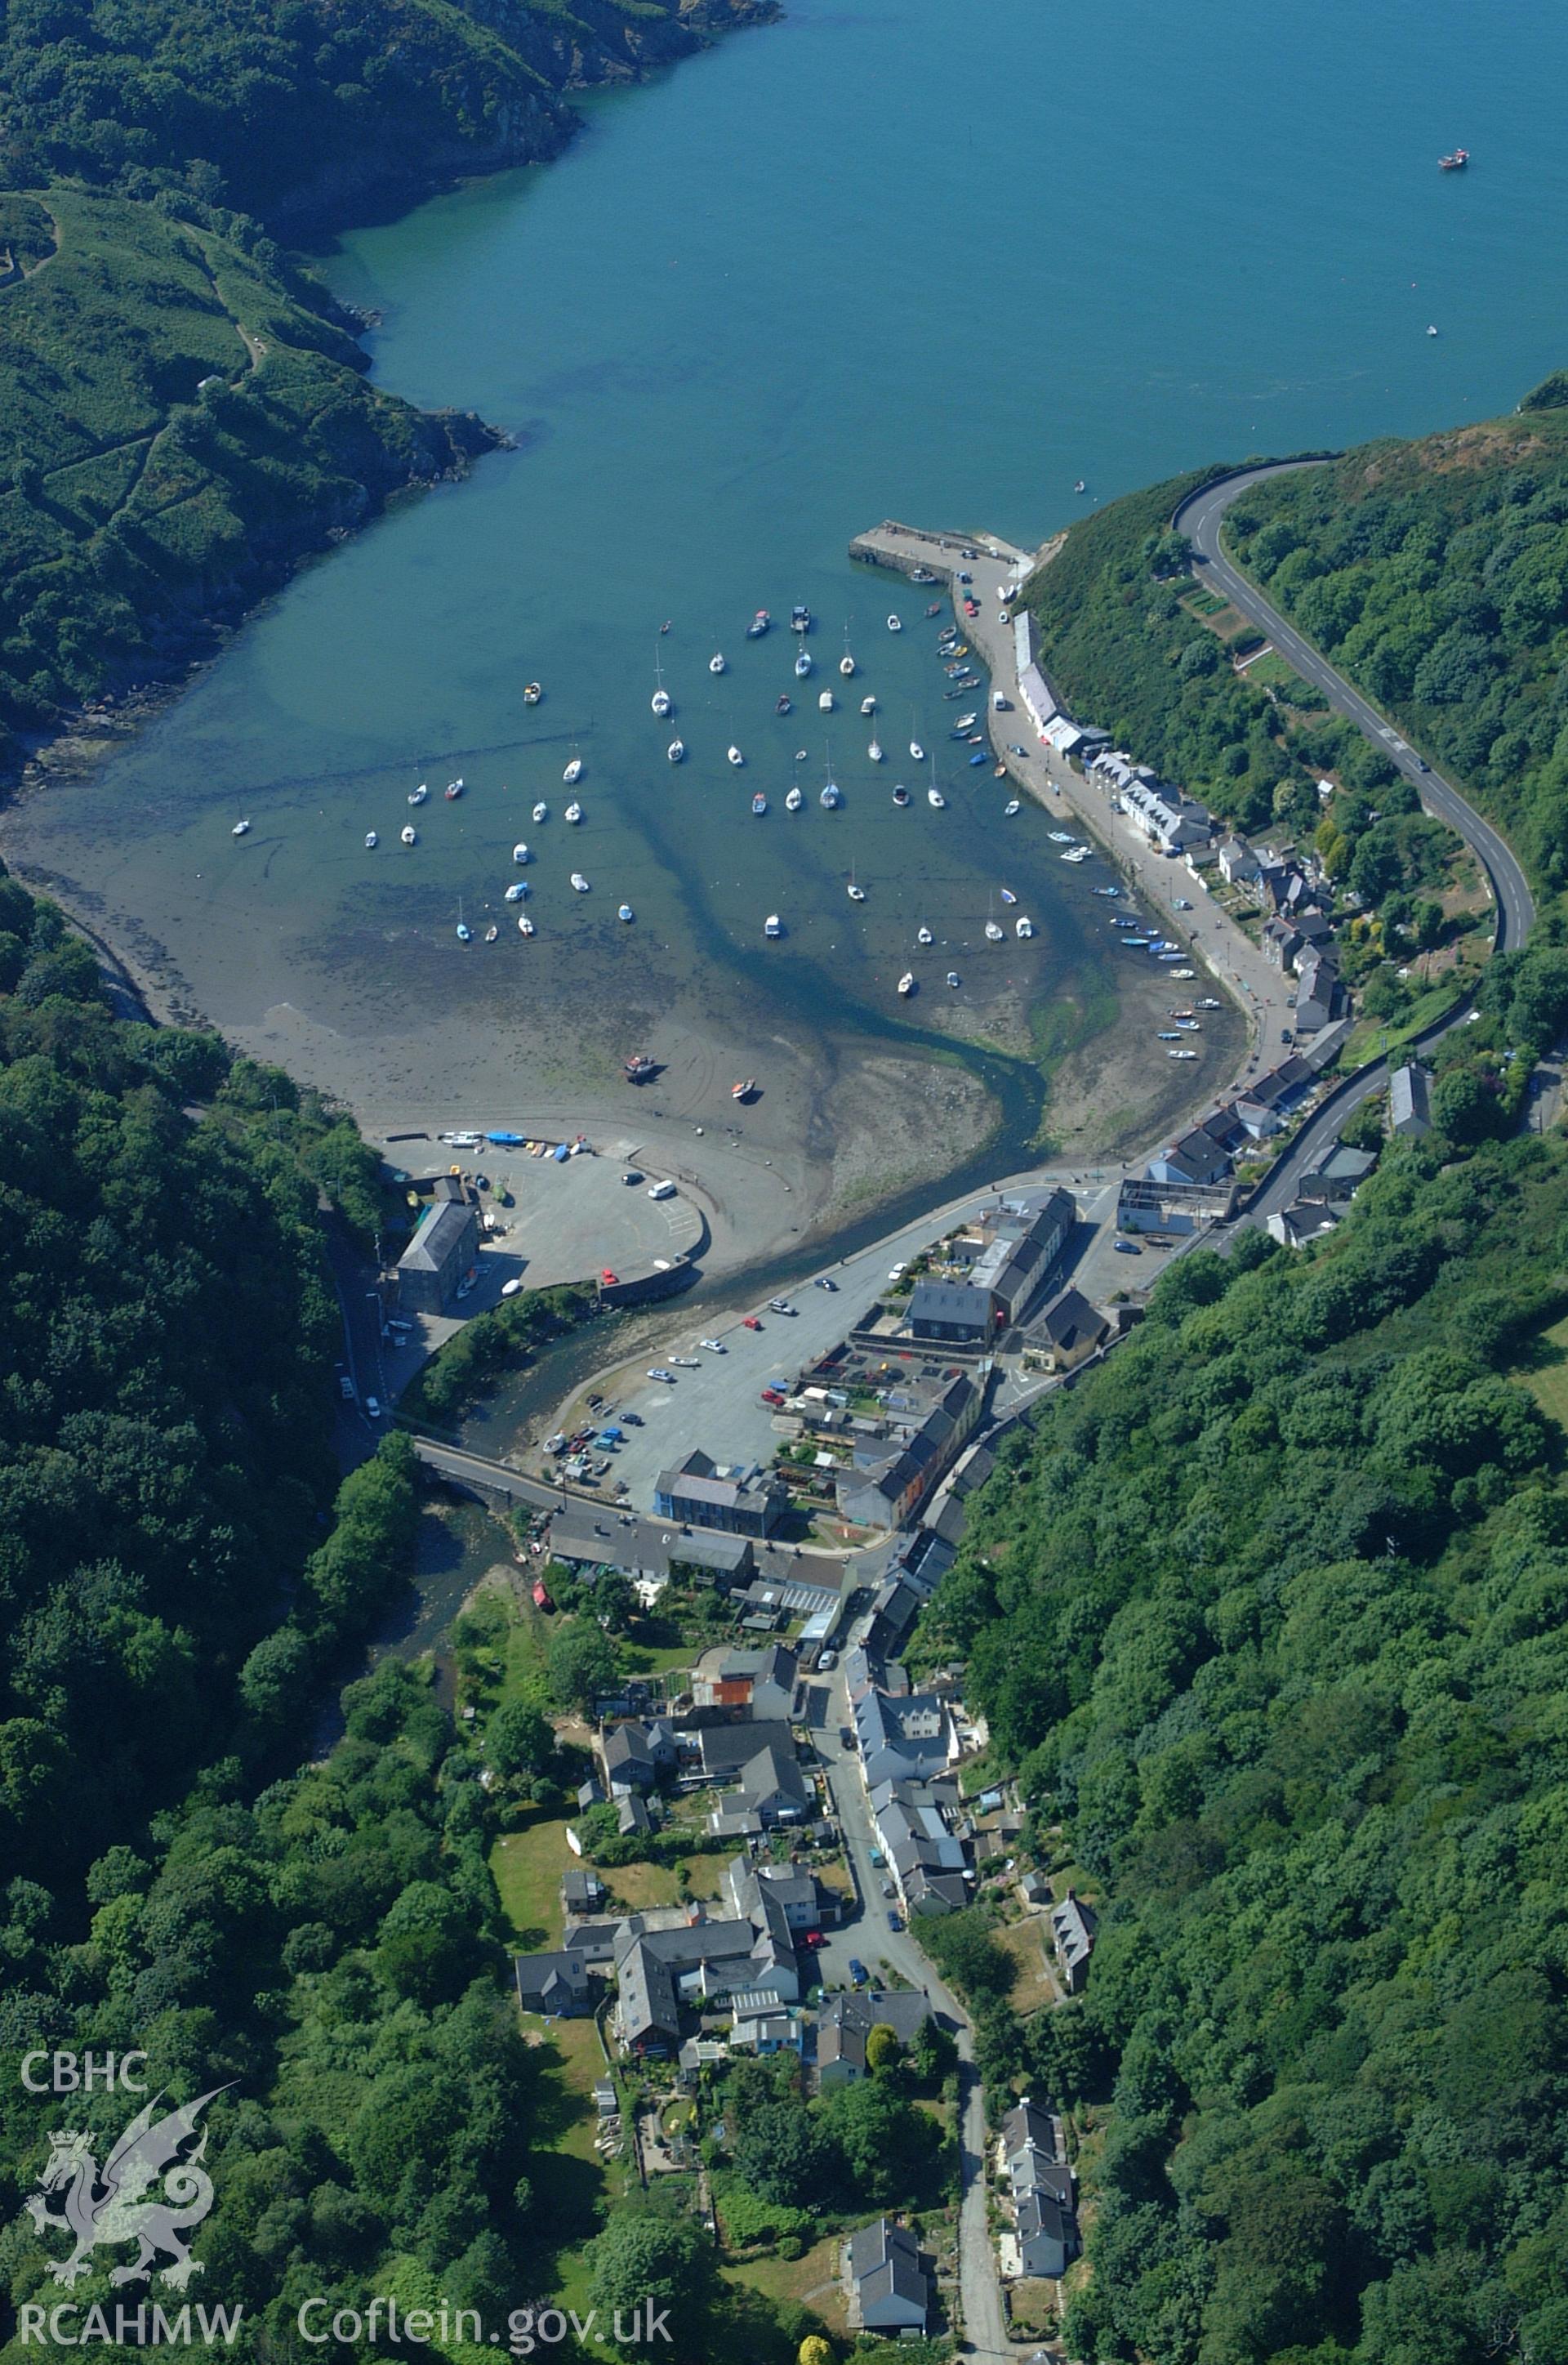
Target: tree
x,y
813,2350
780,2152
642,2261
518,1739
883,2051
581,1664
888,2145
614,1599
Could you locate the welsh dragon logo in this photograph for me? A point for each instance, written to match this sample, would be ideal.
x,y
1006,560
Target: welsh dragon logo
x,y
124,2201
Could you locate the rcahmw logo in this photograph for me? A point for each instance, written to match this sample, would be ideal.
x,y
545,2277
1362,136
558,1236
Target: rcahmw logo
x,y
151,2190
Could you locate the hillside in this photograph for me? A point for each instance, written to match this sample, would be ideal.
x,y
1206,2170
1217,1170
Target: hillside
x,y
1269,1616
148,155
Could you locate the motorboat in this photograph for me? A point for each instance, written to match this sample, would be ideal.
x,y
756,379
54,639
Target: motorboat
x,y
923,574
1061,837
1023,926
1431,328
857,894
1011,807
867,706
742,1092
717,662
901,794
773,925
935,607
574,811
799,754
759,805
409,834
417,796
1081,486
917,751
967,721
934,797
1455,162
783,705
1000,772
519,852
993,932
906,983
676,751
802,663
825,703
453,789
832,796
846,664
531,693
923,937
733,752
799,619
977,760
371,841
953,977
758,625
875,751
240,829
1008,896
794,801
895,623
541,813
517,892
625,913
525,926
573,770
491,932
579,883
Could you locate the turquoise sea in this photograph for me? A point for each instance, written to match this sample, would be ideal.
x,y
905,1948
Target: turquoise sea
x,y
927,261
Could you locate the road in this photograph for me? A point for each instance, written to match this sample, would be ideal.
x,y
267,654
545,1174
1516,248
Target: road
x,y
1201,518
870,1938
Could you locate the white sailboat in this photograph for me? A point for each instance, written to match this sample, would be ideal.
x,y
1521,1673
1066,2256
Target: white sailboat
x,y
1024,926
240,829
825,703
573,770
417,796
580,882
661,701
371,841
717,662
794,801
923,935
867,705
525,926
521,852
846,663
875,751
735,758
464,931
574,811
409,834
906,982
676,751
541,813
773,925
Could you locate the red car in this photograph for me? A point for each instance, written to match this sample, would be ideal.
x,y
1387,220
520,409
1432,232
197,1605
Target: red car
x,y
750,1322
813,1938
772,1396
611,1278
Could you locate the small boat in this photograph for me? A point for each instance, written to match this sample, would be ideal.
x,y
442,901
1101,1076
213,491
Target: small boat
x,y
802,663
759,805
1431,329
901,795
580,882
743,1092
794,801
773,925
676,751
799,754
718,663
662,703
1455,162
825,703
574,811
491,932
573,770
867,706
784,705
733,752
371,841
240,829
906,983
1011,807
846,663
531,693
464,932
832,796
799,619
934,796
517,892
917,751
923,937
758,625
923,574
525,926
625,913
417,796
1059,836
1081,486
967,721
519,852
935,607
895,623
541,813
666,625
857,894
993,932
453,789
977,759
875,751
1008,896
408,833
953,978
1024,926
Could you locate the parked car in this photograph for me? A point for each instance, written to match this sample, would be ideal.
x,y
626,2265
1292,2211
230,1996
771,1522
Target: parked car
x,y
774,1396
897,1272
779,1305
895,1921
373,1409
1127,1248
859,1975
750,1322
714,1346
345,1389
823,1281
1022,753
664,1190
633,1174
658,1373
888,1889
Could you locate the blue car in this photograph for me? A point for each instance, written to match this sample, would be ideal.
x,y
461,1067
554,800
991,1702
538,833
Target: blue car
x,y
858,1974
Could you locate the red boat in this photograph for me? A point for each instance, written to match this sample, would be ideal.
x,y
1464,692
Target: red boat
x,y
743,1092
1454,163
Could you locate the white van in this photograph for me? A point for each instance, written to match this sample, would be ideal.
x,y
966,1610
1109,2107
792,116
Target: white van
x,y
661,1190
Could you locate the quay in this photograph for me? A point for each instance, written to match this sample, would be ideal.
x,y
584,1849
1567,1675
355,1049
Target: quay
x,y
908,548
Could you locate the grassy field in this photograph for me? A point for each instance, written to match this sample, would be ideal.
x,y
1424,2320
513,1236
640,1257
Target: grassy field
x,y
1549,1383
1024,1942
811,2279
527,1865
579,2187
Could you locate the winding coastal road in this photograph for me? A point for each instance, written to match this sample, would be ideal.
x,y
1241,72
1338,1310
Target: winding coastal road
x,y
1201,517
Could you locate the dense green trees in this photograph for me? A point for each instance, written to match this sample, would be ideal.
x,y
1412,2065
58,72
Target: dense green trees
x,y
1270,1615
